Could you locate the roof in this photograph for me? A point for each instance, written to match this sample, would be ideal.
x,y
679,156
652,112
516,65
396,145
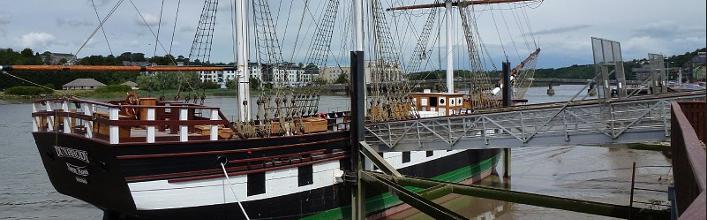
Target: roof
x,y
84,82
129,83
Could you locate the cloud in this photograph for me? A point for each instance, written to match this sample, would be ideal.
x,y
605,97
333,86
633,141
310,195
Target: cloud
x,y
61,22
4,21
150,19
36,39
99,3
561,29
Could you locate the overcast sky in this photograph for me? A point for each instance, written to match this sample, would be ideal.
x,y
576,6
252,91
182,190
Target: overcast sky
x,y
562,28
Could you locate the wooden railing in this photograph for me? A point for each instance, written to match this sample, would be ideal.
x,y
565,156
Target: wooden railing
x,y
118,123
688,154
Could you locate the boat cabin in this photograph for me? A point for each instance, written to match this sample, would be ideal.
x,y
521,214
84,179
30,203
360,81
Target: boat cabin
x,y
429,104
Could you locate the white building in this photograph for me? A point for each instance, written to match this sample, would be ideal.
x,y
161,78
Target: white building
x,y
222,77
371,67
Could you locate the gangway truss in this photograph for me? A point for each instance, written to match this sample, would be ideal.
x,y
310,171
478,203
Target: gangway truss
x,y
585,122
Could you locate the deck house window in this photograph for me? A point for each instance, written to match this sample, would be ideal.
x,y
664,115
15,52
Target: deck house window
x,y
256,183
406,156
429,153
304,176
433,101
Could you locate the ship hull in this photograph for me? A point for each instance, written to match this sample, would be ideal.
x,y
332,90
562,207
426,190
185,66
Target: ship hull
x,y
182,180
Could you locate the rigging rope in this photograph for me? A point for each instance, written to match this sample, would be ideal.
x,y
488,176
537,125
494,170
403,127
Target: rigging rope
x,y
159,28
230,185
93,3
27,81
203,38
100,25
174,28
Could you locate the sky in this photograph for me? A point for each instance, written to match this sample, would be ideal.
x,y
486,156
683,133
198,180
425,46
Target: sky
x,y
561,28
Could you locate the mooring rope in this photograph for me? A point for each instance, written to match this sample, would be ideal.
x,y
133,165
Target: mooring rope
x,y
228,179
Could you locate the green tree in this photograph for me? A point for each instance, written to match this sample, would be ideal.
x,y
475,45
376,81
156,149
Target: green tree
x,y
342,79
254,83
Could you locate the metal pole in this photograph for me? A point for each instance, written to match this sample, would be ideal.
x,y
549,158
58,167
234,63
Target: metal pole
x,y
507,86
633,184
507,102
242,73
450,50
357,123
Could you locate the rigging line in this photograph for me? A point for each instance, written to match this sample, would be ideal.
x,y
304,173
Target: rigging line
x,y
513,42
159,28
174,28
304,12
530,28
100,25
151,31
230,185
27,81
287,22
482,45
523,30
497,32
93,3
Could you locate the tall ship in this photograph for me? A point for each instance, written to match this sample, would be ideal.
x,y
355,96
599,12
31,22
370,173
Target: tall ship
x,y
150,158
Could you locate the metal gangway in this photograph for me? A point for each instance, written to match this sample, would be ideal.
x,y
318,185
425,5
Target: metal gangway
x,y
637,119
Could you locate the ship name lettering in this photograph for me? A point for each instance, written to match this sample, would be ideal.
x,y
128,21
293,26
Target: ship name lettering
x,y
81,155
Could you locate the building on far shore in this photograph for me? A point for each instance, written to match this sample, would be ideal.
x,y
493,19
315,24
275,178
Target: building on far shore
x,y
222,77
131,84
58,58
83,84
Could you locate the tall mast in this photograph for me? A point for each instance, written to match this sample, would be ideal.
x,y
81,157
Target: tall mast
x,y
450,50
358,24
448,4
242,72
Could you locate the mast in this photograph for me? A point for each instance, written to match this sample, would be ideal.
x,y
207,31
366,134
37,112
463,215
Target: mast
x,y
358,24
242,72
449,4
450,50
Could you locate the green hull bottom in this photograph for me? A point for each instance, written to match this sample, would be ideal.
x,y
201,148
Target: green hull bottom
x,y
387,200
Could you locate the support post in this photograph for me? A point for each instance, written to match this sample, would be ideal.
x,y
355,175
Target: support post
x,y
183,129
507,102
506,162
357,133
50,119
88,124
214,128
450,49
507,86
114,130
35,119
67,119
150,128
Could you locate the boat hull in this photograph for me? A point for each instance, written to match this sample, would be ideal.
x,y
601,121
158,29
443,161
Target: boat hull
x,y
106,175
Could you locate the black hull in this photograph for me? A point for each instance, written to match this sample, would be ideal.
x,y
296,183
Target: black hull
x,y
107,176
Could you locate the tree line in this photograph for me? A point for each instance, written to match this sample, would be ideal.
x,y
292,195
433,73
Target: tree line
x,y
570,72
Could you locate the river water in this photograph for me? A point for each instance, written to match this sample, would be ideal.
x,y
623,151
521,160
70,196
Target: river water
x,y
590,173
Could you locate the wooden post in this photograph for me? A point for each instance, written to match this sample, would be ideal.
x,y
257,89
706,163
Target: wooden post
x,y
151,128
50,119
183,129
88,124
114,133
214,128
35,124
67,119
